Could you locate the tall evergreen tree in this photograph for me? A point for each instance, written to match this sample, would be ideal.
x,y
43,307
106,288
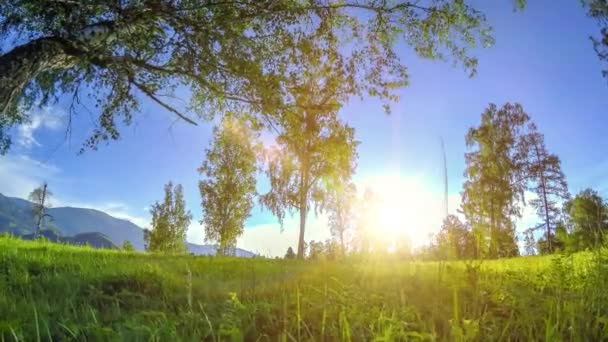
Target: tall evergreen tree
x,y
496,178
228,187
40,197
548,183
170,221
230,54
315,150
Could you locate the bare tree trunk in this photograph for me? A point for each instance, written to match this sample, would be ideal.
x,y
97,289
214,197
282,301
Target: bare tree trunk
x,y
41,212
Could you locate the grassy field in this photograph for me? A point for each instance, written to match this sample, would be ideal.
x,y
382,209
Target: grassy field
x,y
55,292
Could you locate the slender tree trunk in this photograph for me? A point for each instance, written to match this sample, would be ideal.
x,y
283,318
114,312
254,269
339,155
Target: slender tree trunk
x,y
303,211
25,62
547,223
493,235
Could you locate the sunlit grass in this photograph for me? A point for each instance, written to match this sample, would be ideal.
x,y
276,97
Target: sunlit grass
x,y
57,292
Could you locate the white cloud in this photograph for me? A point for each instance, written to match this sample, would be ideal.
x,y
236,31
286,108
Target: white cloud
x,y
44,118
115,209
20,174
267,239
196,232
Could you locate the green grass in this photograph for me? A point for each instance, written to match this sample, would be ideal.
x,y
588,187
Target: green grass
x,y
56,292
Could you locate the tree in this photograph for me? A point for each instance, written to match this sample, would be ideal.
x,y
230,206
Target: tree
x,y
341,218
455,240
332,250
316,250
496,178
127,246
588,214
549,185
315,151
170,222
598,10
530,243
290,254
40,197
367,210
230,54
228,187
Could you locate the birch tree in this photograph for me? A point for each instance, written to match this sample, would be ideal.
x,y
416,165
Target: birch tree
x,y
228,187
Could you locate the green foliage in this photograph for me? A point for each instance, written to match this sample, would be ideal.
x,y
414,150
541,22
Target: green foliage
x,y
588,214
549,185
230,55
455,240
228,187
315,151
496,177
170,222
127,246
598,10
341,219
77,293
290,254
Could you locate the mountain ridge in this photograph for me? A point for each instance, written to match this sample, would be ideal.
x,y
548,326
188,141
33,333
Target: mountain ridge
x,y
72,222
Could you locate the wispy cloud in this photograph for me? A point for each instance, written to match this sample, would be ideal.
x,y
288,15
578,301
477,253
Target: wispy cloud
x,y
47,117
20,174
115,209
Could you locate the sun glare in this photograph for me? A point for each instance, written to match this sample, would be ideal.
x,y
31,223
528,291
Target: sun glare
x,y
404,211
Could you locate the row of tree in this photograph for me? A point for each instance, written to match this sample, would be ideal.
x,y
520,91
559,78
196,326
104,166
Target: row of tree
x,y
508,160
309,167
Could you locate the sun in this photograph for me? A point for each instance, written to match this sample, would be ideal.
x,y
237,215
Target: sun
x,y
404,210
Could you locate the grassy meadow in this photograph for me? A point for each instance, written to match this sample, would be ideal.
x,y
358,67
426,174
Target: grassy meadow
x,y
61,293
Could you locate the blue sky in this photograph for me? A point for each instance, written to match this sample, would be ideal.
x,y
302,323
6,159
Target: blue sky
x,y
542,58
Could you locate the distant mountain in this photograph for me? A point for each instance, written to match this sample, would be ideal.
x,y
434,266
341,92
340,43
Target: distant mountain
x,y
82,226
212,249
95,239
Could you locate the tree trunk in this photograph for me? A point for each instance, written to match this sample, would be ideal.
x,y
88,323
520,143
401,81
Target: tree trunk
x,y
545,202
303,212
41,212
23,63
547,223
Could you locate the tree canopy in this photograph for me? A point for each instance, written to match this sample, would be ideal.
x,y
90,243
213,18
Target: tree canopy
x,y
224,54
228,187
496,177
588,214
170,221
